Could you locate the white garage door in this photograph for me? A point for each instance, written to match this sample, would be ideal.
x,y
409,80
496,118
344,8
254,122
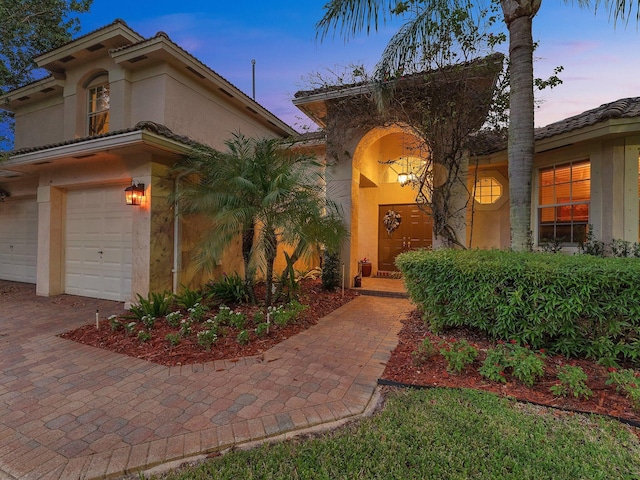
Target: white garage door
x,y
18,240
98,244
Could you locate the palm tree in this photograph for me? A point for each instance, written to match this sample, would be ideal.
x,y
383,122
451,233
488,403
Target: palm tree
x,y
311,228
257,189
352,16
621,9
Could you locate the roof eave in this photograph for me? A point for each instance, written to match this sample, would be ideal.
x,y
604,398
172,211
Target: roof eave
x,y
109,32
97,145
44,87
607,129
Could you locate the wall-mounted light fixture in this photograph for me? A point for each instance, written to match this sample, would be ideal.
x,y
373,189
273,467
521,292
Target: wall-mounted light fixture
x,y
133,194
4,194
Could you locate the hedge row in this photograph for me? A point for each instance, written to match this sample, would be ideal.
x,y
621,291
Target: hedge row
x,y
579,306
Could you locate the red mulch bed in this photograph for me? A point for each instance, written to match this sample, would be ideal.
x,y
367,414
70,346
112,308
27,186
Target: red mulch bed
x,y
159,350
402,368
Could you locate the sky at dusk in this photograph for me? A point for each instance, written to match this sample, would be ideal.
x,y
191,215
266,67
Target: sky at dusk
x,y
600,61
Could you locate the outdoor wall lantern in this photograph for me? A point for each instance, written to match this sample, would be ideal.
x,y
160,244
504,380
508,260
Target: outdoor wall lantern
x,y
133,194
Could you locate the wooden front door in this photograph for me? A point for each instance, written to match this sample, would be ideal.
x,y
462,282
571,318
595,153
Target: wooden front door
x,y
414,231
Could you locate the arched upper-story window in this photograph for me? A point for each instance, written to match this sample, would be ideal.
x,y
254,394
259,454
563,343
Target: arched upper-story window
x,y
98,105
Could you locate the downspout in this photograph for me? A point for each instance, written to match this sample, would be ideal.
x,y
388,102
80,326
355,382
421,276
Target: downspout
x,y
177,264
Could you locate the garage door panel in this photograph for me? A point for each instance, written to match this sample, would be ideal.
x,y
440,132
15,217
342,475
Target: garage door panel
x,y
117,229
99,242
18,240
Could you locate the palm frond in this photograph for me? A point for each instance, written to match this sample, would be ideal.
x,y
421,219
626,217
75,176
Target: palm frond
x,y
354,16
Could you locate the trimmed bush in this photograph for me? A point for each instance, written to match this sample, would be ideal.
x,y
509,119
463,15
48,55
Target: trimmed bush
x,y
331,276
579,306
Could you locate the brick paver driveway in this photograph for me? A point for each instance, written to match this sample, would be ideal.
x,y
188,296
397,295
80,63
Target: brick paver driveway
x,y
70,411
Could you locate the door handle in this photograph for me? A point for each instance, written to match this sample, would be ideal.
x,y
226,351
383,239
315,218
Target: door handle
x,y
404,243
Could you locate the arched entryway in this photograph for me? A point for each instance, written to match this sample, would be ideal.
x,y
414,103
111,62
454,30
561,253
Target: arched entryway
x,y
381,158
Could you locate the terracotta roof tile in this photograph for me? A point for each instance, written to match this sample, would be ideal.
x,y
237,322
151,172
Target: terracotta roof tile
x,y
623,108
485,143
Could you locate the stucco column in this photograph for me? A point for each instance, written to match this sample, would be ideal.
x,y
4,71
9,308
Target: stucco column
x,y
631,213
49,272
607,174
120,99
161,231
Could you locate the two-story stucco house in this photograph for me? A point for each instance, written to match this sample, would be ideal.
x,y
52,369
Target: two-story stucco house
x,y
117,109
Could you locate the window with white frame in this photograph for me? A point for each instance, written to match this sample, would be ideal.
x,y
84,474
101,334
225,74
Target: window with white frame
x,y
564,194
98,110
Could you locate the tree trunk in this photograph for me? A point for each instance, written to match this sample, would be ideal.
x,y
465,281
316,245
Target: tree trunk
x,y
271,249
521,125
249,275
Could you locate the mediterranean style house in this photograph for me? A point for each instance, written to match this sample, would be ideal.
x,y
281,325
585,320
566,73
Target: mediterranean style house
x,y
117,110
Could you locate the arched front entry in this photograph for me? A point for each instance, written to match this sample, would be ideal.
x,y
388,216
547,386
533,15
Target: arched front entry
x,y
381,156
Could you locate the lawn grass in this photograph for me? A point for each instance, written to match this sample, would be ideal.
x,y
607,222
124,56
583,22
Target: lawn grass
x,y
444,434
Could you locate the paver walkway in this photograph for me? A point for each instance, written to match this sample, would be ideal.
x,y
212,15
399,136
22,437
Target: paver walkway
x,y
70,411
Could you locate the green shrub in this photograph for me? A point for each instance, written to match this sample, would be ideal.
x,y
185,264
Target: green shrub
x,y
115,323
206,338
243,337
259,317
197,312
627,381
520,362
576,305
226,316
239,320
130,327
425,351
283,314
189,298
143,336
173,319
458,354
229,289
331,275
262,329
155,305
185,327
572,381
173,338
148,321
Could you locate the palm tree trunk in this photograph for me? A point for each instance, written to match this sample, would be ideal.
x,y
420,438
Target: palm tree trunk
x,y
295,256
271,249
521,129
249,277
